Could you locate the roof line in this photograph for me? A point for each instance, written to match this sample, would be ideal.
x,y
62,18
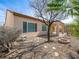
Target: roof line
x,y
26,16
23,15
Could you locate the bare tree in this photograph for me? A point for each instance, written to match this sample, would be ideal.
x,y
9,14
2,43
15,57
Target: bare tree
x,y
42,11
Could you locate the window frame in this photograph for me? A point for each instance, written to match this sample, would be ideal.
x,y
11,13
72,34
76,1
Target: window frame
x,y
24,27
44,27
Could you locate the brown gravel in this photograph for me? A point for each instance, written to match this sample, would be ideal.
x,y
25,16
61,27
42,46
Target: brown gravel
x,y
38,48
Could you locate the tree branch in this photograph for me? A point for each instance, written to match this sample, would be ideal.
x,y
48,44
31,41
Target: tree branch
x,y
54,18
40,7
46,22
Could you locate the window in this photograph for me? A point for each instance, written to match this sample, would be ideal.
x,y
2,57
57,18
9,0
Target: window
x,y
24,27
29,27
43,27
32,27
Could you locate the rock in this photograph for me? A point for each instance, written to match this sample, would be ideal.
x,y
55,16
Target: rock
x,y
64,34
63,41
53,48
37,40
54,33
45,47
60,35
56,53
23,37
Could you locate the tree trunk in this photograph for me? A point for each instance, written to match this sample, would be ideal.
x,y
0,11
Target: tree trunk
x,y
48,33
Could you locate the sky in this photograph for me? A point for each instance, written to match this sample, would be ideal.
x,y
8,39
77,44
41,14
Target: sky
x,y
21,6
68,20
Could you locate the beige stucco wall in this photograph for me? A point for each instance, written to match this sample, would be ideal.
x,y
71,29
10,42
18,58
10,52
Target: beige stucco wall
x,y
18,21
9,21
57,27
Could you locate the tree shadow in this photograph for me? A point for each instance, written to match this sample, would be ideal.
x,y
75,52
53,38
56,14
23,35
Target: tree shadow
x,y
31,49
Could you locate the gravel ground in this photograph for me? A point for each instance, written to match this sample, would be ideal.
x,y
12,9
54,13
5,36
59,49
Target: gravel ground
x,y
38,48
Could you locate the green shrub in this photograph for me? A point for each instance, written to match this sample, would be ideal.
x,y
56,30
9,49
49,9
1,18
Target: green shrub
x,y
73,29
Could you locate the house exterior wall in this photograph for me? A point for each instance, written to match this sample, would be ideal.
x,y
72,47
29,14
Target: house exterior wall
x,y
9,21
57,27
17,22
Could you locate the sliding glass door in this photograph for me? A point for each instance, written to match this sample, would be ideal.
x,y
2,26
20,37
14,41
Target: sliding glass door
x,y
29,27
32,27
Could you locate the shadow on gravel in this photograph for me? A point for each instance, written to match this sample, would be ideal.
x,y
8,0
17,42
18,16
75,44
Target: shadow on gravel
x,y
73,55
31,49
